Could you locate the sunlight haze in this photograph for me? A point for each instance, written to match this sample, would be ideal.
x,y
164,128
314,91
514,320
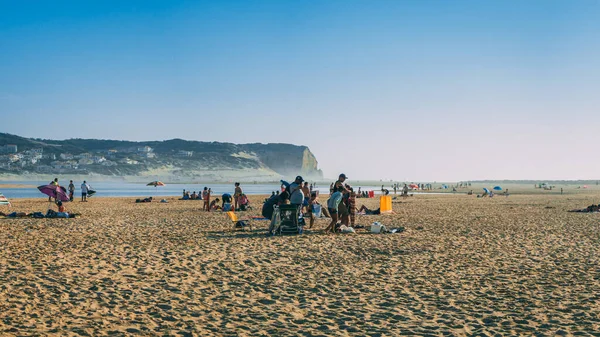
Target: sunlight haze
x,y
415,90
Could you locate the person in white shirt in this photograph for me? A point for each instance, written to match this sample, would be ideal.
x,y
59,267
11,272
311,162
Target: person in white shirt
x,y
84,190
296,194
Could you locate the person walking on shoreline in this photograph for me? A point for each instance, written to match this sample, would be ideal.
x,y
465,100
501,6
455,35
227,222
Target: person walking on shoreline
x,y
84,191
54,183
71,190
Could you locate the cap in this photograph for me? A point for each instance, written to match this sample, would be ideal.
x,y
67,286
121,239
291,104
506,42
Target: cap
x,y
343,176
299,178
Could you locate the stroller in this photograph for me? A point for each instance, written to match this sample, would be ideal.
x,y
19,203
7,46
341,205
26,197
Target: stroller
x,y
286,220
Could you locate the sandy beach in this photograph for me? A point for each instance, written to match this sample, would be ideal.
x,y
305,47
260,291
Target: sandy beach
x,y
518,265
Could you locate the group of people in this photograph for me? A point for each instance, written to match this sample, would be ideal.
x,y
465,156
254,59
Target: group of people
x,y
85,190
340,207
238,202
299,193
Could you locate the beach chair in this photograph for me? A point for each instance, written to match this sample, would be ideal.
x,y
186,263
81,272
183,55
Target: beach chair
x,y
237,222
288,220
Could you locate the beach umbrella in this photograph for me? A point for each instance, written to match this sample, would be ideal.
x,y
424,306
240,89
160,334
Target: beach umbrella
x,y
54,191
486,190
497,188
413,186
155,183
3,200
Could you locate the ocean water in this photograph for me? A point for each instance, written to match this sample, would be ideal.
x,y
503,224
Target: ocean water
x,y
119,189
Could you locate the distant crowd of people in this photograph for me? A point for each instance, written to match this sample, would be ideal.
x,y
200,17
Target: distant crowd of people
x,y
85,190
238,202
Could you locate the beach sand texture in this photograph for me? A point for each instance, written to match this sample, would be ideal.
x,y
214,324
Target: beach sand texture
x,y
511,266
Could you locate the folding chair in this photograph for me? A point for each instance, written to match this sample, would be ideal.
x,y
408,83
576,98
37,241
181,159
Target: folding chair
x,y
237,222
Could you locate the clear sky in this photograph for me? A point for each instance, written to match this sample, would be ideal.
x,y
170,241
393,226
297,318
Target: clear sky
x,y
417,90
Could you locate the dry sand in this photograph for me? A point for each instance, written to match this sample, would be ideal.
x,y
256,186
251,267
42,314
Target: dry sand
x,y
519,265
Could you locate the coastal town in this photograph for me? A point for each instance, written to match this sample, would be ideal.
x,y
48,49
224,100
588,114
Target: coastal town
x,y
37,160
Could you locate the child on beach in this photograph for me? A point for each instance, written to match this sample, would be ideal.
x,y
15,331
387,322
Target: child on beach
x,y
214,205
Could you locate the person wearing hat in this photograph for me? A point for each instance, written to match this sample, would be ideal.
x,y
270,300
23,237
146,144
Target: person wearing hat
x,y
296,194
340,186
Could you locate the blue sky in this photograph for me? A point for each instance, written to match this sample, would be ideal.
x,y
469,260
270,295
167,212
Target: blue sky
x,y
417,90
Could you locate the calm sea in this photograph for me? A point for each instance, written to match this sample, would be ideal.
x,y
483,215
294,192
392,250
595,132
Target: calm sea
x,y
119,189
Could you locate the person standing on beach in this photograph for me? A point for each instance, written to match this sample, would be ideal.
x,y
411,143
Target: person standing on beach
x,y
236,195
342,207
352,207
332,206
206,204
306,191
207,200
54,183
71,190
296,193
84,191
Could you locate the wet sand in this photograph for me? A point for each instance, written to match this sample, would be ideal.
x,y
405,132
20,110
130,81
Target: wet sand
x,y
519,265
16,186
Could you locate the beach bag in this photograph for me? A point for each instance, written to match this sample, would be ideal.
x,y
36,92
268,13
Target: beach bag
x,y
377,228
346,229
316,209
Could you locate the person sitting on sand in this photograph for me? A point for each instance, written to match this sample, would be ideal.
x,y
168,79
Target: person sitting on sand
x,y
314,201
405,191
214,205
62,211
364,210
194,196
244,203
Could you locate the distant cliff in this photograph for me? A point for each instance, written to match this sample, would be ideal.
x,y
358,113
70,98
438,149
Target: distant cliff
x,y
174,159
